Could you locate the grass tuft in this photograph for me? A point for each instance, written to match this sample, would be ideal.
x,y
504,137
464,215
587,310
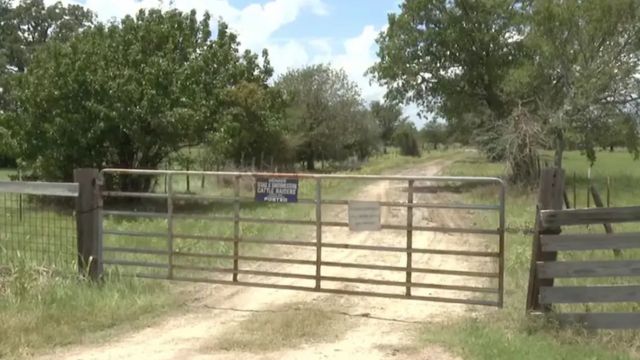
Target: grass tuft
x,y
288,326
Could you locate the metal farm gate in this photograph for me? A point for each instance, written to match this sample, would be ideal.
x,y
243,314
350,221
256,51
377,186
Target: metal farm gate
x,y
405,237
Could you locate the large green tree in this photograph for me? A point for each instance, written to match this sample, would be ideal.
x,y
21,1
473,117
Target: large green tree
x,y
583,72
450,57
534,69
128,94
326,118
24,27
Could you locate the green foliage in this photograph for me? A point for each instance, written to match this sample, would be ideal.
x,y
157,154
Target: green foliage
x,y
32,23
449,57
434,133
568,65
325,115
24,28
406,138
388,116
133,92
252,128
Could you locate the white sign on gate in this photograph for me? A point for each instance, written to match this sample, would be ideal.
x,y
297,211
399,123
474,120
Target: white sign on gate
x,y
364,216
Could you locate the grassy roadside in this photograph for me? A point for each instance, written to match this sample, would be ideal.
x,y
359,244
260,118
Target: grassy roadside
x,y
509,334
43,308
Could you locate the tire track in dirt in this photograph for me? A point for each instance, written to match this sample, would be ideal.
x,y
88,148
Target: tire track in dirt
x,y
379,328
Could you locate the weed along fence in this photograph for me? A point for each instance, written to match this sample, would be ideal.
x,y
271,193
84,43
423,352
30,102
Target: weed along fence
x,y
305,232
588,279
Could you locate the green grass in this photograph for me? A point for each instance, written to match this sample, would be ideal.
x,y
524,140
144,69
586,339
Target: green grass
x,y
287,326
40,310
5,173
509,333
43,304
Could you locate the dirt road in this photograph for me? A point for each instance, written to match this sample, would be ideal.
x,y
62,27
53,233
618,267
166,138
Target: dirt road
x,y
372,328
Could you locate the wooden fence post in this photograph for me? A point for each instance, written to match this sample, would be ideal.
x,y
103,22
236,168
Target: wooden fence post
x,y
550,197
88,207
597,201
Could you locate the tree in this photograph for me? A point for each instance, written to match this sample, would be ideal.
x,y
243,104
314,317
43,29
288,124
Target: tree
x,y
388,116
251,129
323,110
31,24
584,70
434,133
564,66
23,29
128,94
450,57
406,138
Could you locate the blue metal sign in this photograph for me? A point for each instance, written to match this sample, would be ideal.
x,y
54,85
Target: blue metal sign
x,y
277,190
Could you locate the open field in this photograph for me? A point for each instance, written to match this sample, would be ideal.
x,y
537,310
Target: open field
x,y
84,312
530,338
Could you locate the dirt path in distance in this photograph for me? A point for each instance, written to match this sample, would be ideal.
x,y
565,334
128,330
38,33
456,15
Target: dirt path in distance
x,y
375,328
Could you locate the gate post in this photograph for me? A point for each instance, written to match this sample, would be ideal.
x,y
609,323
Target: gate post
x,y
318,232
550,197
409,237
88,207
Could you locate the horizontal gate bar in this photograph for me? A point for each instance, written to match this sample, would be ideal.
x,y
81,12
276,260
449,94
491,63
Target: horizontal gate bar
x,y
465,179
40,188
422,228
245,272
134,214
244,240
415,270
247,258
134,233
135,263
230,199
135,251
413,250
411,284
420,205
339,291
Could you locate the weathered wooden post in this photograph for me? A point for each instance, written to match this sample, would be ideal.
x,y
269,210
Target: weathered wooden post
x,y
88,207
550,197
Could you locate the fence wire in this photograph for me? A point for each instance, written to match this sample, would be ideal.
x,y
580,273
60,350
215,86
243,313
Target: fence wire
x,y
37,231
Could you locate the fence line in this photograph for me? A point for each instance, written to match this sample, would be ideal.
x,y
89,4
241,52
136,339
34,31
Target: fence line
x,y
37,224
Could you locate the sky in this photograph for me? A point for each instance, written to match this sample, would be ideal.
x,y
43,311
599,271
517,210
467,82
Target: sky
x,y
296,32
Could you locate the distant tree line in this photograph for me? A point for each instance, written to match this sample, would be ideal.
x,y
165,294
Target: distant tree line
x,y
76,92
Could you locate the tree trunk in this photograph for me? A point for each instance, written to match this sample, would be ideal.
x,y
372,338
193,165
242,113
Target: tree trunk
x,y
560,145
311,162
611,148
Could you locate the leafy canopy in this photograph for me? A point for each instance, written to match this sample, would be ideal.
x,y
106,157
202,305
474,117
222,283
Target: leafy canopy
x,y
130,93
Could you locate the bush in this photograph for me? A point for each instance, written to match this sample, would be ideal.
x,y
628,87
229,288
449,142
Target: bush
x,y
406,138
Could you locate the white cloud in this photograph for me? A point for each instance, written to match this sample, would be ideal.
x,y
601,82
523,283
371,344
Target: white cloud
x,y
254,23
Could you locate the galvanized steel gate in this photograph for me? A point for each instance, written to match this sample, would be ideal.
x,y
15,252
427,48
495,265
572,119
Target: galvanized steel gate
x,y
219,234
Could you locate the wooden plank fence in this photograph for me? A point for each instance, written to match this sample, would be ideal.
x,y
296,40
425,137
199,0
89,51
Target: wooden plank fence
x,y
545,267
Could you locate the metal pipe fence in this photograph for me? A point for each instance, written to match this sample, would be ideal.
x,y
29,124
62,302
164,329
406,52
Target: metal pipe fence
x,y
173,242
